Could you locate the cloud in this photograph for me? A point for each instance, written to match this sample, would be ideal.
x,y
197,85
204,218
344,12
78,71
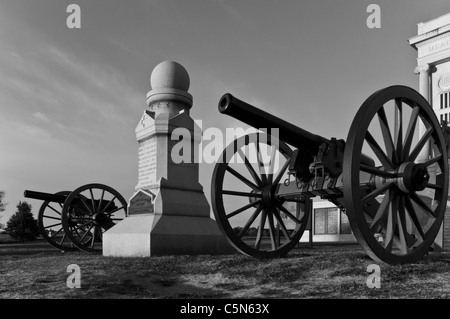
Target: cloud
x,y
236,15
65,96
37,133
41,117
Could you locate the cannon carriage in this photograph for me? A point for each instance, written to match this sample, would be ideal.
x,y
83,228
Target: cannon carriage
x,y
390,177
78,219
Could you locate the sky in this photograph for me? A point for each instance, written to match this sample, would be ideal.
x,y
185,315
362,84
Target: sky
x,y
70,99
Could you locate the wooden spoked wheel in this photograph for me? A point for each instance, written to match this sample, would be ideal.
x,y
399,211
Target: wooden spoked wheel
x,y
256,215
50,224
89,211
396,208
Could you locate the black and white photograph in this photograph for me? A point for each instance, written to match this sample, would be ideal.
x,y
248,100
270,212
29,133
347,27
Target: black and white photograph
x,y
216,157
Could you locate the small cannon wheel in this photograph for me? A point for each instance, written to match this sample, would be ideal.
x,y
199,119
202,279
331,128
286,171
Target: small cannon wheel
x,y
50,224
396,208
89,211
252,211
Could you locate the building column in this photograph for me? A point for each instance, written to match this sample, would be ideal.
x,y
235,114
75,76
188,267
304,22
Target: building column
x,y
424,89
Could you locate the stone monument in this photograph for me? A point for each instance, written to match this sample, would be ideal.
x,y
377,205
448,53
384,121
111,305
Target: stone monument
x,y
432,43
168,213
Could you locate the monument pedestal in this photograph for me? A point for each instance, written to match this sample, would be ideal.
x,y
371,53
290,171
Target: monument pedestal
x,y
169,213
179,225
156,235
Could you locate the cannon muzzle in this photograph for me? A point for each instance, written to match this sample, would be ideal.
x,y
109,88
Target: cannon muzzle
x,y
289,133
45,196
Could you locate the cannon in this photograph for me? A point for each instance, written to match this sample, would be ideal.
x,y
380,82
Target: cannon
x,y
389,177
78,219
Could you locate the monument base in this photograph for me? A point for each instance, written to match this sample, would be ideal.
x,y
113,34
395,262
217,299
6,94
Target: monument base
x,y
157,235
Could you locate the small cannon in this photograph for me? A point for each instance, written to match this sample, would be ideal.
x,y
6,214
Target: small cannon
x,y
394,196
78,219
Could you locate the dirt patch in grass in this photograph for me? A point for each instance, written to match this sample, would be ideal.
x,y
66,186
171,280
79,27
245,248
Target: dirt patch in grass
x,y
306,273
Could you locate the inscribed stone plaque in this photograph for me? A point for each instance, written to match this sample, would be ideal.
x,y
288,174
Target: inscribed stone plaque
x,y
147,162
332,222
141,203
319,221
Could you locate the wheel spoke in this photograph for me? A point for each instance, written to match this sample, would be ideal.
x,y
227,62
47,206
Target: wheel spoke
x,y
281,223
244,208
52,225
57,232
51,217
382,209
282,171
73,218
423,205
410,131
100,203
387,136
86,232
250,167
234,193
392,221
420,144
432,160
403,233
376,171
93,236
85,205
433,186
49,206
273,154
242,178
107,205
260,162
63,238
272,232
398,134
92,200
250,221
376,192
116,210
288,213
262,223
385,161
413,215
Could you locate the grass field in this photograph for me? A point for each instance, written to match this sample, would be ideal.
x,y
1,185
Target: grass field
x,y
36,270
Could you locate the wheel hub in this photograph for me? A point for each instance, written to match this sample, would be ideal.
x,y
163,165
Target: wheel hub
x,y
408,177
268,196
412,177
99,218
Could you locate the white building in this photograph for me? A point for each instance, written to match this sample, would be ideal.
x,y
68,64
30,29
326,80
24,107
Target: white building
x,y
328,224
432,43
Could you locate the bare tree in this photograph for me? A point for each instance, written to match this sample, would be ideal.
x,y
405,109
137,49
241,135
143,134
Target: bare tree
x,y
2,201
2,206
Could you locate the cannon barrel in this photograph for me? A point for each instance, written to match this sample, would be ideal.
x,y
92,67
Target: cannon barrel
x,y
259,119
45,196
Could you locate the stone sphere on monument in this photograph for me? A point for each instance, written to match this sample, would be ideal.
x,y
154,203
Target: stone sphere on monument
x,y
170,75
